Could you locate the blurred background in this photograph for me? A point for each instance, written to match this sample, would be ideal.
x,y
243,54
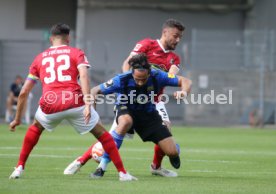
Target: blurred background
x,y
227,45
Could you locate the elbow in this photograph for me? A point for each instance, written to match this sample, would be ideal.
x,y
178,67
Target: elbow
x,y
189,82
23,93
95,90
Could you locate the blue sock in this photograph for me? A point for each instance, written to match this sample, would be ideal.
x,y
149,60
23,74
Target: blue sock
x,y
118,141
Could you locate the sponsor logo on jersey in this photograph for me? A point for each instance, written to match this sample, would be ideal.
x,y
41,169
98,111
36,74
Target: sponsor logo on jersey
x,y
170,75
172,61
150,88
108,83
155,54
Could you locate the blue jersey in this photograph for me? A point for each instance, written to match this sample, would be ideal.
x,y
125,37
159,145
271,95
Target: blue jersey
x,y
138,98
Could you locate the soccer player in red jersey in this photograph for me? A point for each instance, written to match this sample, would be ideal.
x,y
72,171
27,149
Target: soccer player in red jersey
x,y
58,68
160,55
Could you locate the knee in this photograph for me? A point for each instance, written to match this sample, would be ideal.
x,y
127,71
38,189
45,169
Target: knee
x,y
171,150
124,124
38,125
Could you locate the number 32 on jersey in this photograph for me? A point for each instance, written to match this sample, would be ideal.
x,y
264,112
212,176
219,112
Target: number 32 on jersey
x,y
50,62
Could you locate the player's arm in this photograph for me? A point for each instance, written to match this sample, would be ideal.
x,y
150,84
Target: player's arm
x,y
185,85
126,66
94,92
109,87
174,70
85,87
22,100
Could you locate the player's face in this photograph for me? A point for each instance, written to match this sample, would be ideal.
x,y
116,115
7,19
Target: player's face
x,y
172,38
140,77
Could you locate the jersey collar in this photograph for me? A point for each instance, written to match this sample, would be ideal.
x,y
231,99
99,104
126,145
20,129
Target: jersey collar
x,y
58,46
161,46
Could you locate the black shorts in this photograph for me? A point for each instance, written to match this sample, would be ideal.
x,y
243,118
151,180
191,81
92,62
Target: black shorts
x,y
149,126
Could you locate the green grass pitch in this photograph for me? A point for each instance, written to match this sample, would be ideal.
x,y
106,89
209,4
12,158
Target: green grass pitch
x,y
214,161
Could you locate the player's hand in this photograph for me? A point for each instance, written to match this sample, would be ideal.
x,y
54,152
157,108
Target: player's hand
x,y
180,94
13,124
87,113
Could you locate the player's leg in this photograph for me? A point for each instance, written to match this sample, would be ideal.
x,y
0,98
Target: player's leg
x,y
87,154
96,128
169,147
75,166
124,124
151,128
158,153
31,138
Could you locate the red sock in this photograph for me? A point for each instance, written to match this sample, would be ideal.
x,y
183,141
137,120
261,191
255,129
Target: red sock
x,y
111,149
86,156
30,140
158,156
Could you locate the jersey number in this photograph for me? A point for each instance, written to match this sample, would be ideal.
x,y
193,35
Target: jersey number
x,y
50,61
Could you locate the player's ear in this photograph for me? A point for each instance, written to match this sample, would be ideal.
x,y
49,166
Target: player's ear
x,y
68,38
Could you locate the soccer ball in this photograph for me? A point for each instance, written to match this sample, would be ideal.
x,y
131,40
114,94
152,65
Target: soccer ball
x,y
97,152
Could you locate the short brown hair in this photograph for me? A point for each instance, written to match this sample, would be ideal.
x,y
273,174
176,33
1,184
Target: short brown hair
x,y
172,23
60,29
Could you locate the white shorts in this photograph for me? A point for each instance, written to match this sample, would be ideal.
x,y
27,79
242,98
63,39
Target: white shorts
x,y
74,116
160,107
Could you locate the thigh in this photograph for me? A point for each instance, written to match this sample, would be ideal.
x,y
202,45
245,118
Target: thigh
x,y
150,127
48,121
124,120
76,118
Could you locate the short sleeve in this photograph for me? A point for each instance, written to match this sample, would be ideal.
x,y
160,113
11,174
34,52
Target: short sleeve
x,y
111,86
141,46
81,59
166,79
34,70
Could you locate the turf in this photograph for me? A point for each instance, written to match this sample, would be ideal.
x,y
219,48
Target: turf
x,y
214,160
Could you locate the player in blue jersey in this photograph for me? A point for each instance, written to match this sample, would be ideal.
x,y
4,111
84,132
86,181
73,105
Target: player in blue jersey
x,y
136,109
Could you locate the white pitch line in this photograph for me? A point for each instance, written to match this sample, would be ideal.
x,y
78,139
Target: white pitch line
x,y
188,150
220,161
232,172
128,158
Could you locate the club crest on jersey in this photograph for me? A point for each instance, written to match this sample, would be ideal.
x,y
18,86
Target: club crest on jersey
x,y
172,61
123,107
108,83
170,75
150,88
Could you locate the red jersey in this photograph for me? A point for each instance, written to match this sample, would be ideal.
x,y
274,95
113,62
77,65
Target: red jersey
x,y
57,69
156,54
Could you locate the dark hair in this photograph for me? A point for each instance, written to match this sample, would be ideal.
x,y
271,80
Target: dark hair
x,y
60,29
139,61
172,23
18,77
